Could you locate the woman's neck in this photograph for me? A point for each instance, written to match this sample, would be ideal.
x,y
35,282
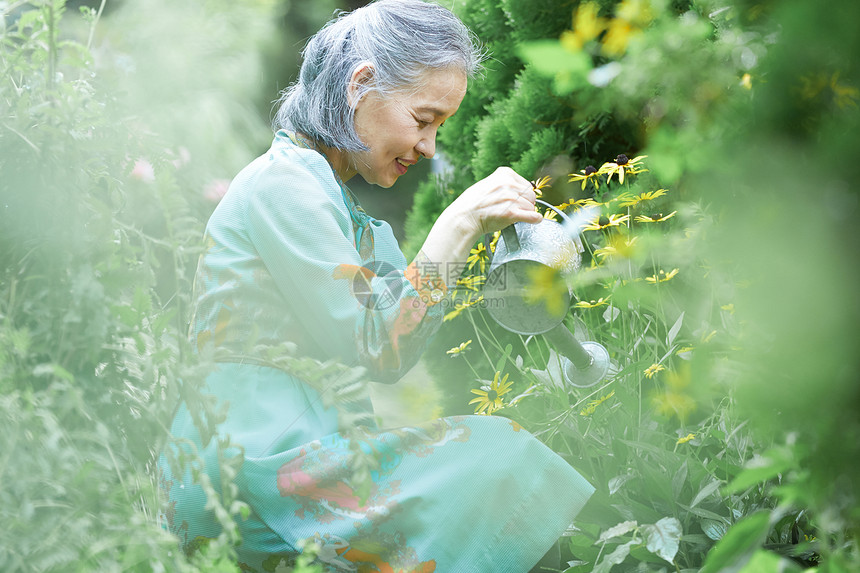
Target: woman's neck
x,y
337,158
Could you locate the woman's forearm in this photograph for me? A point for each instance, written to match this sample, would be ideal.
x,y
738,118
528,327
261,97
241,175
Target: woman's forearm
x,y
448,243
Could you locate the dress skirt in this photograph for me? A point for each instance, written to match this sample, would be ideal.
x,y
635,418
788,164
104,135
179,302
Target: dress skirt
x,y
458,494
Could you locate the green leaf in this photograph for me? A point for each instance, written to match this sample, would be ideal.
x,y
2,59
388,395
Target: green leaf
x,y
663,538
673,332
760,469
549,57
620,554
617,531
500,363
706,491
738,543
766,562
714,529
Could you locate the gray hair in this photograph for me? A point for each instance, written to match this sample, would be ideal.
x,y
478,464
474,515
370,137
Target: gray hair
x,y
401,39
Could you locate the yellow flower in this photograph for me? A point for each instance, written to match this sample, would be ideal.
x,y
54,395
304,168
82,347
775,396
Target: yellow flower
x,y
495,240
478,256
662,276
729,308
685,439
590,202
586,26
618,246
604,222
551,215
844,95
630,201
684,350
592,304
674,400
590,173
471,282
746,81
457,350
617,37
546,284
621,165
655,218
635,11
490,397
592,406
539,184
462,305
653,369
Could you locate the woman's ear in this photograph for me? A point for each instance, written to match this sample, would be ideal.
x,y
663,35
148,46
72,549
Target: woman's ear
x,y
361,79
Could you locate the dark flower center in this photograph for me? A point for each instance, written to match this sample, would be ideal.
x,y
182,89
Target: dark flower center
x,y
492,395
621,159
603,220
656,216
591,169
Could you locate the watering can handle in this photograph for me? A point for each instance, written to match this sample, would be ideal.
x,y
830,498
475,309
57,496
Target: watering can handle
x,y
512,241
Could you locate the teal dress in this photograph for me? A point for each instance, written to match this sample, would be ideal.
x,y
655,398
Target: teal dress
x,y
294,265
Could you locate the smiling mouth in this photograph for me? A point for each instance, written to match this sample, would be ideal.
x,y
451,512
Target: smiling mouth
x,y
403,165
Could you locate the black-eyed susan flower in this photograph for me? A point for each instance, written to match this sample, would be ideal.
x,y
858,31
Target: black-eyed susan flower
x,y
552,215
460,306
628,200
618,247
622,165
652,370
617,37
490,397
592,303
813,85
591,202
672,403
478,256
655,218
471,282
547,286
539,184
590,173
706,338
674,400
592,406
844,96
637,12
587,25
605,222
458,350
494,241
661,276
631,17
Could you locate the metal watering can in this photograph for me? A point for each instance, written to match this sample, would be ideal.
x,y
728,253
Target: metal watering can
x,y
523,249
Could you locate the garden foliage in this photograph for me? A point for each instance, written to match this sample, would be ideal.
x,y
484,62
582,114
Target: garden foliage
x,y
719,274
108,151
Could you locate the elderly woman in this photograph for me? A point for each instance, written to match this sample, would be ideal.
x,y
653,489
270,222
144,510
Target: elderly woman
x,y
293,261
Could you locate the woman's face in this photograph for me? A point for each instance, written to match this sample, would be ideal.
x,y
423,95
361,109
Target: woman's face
x,y
401,128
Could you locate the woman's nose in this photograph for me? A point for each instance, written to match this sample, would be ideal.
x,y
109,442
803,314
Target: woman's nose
x,y
427,147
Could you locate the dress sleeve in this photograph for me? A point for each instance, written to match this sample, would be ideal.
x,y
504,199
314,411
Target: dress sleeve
x,y
379,315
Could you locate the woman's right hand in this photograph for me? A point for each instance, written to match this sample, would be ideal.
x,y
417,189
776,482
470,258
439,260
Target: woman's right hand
x,y
489,205
498,200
